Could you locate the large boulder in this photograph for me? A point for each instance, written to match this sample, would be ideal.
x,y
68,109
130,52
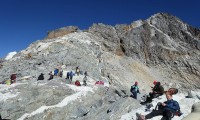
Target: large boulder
x,y
195,113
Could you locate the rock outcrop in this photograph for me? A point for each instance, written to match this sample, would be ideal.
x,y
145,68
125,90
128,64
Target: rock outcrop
x,y
62,31
195,113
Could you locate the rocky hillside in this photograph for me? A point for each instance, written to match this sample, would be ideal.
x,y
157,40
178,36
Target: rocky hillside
x,y
162,47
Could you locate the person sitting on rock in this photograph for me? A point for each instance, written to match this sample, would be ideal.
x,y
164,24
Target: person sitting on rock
x,y
85,81
77,71
51,76
61,73
167,109
41,77
85,73
13,78
157,91
134,90
56,71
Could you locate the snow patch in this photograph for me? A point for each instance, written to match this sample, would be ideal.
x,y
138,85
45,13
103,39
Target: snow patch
x,y
64,102
10,55
137,23
6,92
5,96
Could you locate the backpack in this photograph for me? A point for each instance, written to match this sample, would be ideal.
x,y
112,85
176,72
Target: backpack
x,y
77,83
173,91
133,89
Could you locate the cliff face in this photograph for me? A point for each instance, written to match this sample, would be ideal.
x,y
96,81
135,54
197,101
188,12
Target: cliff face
x,y
162,41
162,48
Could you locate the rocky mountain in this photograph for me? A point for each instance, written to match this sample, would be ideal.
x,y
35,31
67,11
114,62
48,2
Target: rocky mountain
x,y
162,48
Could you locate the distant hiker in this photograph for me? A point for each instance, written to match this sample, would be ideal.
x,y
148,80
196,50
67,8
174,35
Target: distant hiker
x,y
67,75
85,73
157,91
85,81
50,76
61,73
56,72
77,83
13,78
167,109
71,74
134,90
77,71
41,77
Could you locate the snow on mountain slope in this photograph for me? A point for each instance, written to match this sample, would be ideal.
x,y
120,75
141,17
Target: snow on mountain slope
x,y
10,55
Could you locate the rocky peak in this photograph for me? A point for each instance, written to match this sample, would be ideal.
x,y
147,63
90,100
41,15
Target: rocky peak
x,y
61,32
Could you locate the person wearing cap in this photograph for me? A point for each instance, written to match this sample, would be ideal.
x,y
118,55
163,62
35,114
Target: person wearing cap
x,y
157,91
134,90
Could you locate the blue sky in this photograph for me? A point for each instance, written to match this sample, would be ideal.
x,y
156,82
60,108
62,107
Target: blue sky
x,y
25,21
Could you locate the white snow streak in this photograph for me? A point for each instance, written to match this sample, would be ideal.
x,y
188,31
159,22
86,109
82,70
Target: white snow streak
x,y
64,102
10,55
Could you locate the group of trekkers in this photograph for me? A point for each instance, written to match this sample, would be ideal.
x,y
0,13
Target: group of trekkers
x,y
69,76
167,109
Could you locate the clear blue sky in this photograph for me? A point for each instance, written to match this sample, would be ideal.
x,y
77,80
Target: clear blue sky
x,y
25,21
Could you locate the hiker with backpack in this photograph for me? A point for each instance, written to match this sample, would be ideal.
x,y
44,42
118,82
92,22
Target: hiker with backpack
x,y
167,109
134,90
157,91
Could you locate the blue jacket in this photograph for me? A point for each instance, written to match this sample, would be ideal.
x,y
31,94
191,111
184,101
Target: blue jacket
x,y
171,105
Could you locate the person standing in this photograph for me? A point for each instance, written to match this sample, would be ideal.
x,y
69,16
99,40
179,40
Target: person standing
x,y
134,90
